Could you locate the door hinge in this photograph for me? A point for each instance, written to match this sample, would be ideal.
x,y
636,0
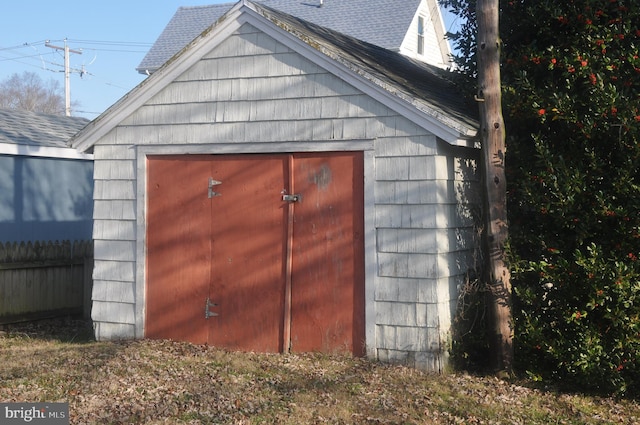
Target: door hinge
x,y
207,305
212,183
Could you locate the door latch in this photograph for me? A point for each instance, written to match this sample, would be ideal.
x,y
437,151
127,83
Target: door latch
x,y
207,305
291,198
213,183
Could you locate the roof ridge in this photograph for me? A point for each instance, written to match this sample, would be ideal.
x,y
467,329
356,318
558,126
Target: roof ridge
x,y
15,111
206,6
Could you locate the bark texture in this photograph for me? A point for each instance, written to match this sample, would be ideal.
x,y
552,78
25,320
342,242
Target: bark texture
x,y
493,146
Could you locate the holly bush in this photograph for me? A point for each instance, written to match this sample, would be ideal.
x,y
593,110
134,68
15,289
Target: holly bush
x,y
571,102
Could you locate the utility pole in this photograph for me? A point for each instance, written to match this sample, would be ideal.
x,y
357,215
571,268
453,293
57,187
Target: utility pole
x,y
67,86
494,149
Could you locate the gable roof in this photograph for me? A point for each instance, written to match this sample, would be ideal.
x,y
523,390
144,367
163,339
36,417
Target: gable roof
x,y
35,134
414,89
380,22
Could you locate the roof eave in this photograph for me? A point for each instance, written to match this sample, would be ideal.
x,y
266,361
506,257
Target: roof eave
x,y
147,71
42,151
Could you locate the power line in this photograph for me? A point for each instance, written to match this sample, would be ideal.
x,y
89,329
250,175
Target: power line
x,y
45,61
39,65
116,50
131,44
23,57
112,43
23,45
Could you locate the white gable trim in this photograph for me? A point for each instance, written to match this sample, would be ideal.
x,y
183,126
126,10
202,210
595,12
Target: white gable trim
x,y
245,12
441,30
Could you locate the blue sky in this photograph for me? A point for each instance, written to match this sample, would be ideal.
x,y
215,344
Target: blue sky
x,y
112,35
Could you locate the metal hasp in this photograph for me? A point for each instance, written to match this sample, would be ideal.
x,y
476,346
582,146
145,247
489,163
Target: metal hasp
x,y
212,183
208,313
291,198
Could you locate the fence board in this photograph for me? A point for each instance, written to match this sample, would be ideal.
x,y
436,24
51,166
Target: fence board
x,y
45,279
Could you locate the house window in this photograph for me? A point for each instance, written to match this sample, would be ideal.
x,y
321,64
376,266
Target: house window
x,y
421,35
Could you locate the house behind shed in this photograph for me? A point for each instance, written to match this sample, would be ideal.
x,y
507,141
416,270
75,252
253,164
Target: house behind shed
x,y
414,28
278,186
47,187
46,205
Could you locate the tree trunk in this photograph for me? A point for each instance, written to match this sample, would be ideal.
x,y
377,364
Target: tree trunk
x,y
493,147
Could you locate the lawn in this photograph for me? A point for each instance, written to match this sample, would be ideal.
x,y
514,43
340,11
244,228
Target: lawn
x,y
172,382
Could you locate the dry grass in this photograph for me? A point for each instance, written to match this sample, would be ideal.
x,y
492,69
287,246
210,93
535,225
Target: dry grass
x,y
170,382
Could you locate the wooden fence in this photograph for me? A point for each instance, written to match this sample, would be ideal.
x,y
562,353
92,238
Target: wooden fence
x,y
45,279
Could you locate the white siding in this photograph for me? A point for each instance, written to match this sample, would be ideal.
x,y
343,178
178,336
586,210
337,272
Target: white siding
x,y
249,91
114,237
425,239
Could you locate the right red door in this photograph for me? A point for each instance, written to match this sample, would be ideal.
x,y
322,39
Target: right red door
x,y
327,279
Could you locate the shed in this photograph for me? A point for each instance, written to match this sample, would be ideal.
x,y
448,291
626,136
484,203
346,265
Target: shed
x,y
47,187
277,186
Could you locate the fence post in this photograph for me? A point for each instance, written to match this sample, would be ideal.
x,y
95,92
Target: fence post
x,y
87,287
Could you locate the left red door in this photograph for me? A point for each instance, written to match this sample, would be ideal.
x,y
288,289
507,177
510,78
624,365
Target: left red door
x,y
225,244
178,248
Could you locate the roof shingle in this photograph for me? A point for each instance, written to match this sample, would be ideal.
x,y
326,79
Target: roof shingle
x,y
380,22
33,129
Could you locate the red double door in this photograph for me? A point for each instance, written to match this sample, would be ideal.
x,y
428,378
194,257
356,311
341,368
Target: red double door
x,y
256,252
